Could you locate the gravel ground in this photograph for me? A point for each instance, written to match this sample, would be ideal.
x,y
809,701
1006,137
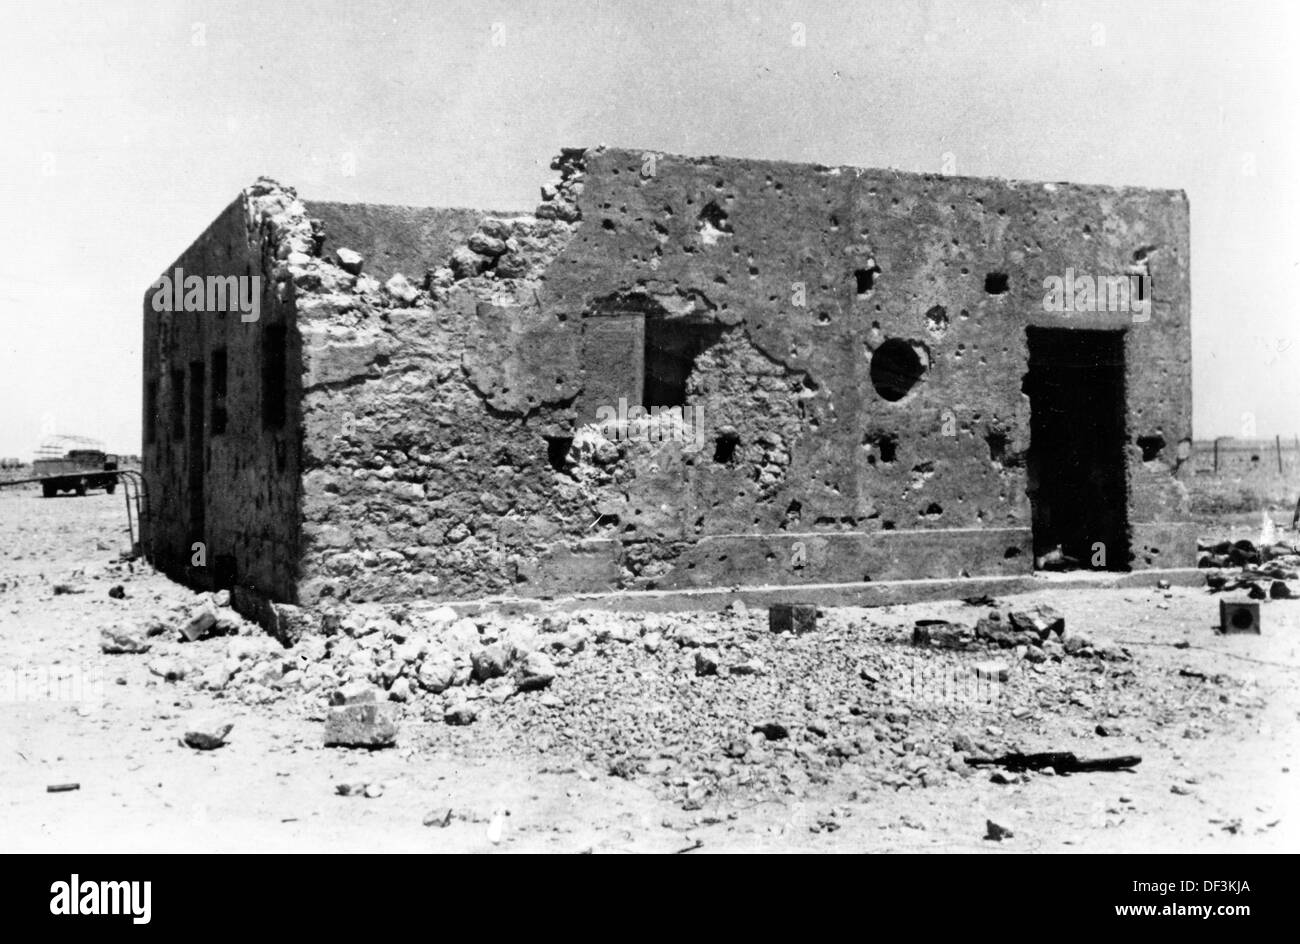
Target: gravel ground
x,y
617,732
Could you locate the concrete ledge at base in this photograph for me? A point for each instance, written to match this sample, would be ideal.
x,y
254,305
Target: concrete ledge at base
x,y
881,593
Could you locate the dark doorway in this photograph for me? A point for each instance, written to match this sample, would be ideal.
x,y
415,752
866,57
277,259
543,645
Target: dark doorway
x,y
1077,486
195,458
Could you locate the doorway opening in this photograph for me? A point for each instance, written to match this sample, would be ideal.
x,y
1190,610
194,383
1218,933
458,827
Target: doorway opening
x,y
1077,486
195,458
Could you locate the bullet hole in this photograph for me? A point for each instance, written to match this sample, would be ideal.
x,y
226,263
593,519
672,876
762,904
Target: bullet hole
x,y
936,321
865,279
886,526
932,510
1011,552
557,451
606,521
607,225
712,223
823,318
724,447
793,514
884,445
996,283
997,441
895,369
1151,446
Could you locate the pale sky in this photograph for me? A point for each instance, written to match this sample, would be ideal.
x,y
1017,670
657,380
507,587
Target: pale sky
x,y
128,126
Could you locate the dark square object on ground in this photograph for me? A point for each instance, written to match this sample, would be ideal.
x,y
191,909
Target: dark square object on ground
x,y
792,618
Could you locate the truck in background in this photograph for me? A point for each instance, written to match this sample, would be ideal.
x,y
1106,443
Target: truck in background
x,y
79,470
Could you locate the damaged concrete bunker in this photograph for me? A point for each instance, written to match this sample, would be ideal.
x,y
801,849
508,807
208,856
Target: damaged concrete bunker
x,y
675,375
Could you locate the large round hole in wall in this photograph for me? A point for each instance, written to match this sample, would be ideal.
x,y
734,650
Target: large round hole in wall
x,y
895,369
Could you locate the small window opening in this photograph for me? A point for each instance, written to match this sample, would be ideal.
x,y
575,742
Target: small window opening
x,y
178,404
273,377
996,283
218,403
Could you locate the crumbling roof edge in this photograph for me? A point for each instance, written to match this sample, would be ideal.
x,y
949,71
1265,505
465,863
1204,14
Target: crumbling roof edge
x,y
864,171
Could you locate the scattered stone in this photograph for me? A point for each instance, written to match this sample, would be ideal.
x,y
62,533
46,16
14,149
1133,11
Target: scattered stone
x,y
486,245
440,817
706,662
941,634
120,641
201,621
1077,643
1041,620
348,260
360,725
401,289
490,662
749,667
207,738
354,693
772,730
997,833
167,669
437,674
536,671
117,592
460,714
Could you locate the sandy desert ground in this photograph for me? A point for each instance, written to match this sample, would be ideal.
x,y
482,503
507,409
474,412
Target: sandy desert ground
x,y
629,750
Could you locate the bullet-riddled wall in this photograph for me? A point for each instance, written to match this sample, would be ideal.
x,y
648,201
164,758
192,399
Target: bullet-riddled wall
x,y
848,356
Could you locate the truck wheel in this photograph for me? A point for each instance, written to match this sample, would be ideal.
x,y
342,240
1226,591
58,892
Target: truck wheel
x,y
111,487
81,486
48,489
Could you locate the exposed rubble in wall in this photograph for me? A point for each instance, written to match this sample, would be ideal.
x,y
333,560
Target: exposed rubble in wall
x,y
755,409
399,420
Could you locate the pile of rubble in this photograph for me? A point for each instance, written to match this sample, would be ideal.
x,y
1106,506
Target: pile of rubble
x,y
1036,635
1263,569
698,705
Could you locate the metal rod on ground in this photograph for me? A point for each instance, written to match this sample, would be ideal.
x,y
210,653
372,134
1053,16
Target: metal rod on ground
x,y
1279,453
1216,454
125,482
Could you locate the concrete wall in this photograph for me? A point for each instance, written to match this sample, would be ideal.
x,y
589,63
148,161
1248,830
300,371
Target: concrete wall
x,y
246,477
437,423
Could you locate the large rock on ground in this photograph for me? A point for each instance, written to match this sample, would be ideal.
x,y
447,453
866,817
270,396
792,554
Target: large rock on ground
x,y
365,725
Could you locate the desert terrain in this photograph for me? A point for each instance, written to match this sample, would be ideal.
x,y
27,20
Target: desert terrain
x,y
697,732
